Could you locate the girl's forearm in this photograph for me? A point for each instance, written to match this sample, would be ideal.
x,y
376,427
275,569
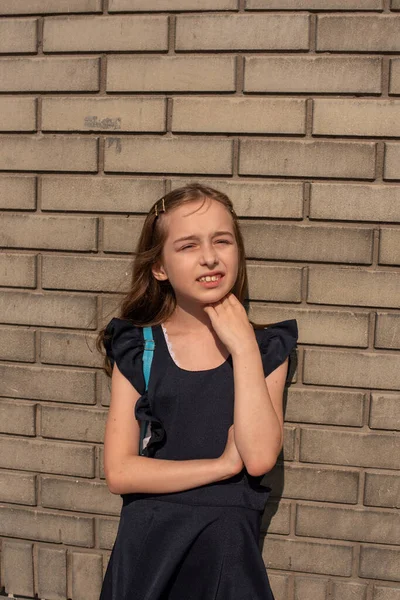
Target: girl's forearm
x,y
258,433
153,475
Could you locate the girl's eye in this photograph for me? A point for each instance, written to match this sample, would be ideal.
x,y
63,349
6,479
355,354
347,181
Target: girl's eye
x,y
218,241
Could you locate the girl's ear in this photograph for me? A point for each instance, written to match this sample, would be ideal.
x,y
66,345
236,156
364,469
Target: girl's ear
x,y
158,272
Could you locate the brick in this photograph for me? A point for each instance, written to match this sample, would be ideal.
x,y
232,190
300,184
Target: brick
x,y
17,568
386,593
17,488
380,118
100,194
353,524
385,411
18,192
173,5
50,310
314,4
382,489
57,385
289,443
274,283
103,114
75,349
290,242
107,533
348,591
49,74
328,407
243,115
47,526
352,369
105,34
323,327
369,33
347,286
49,233
347,448
17,114
81,273
276,518
310,483
308,557
52,573
379,563
48,153
17,417
392,157
347,160
168,155
121,235
170,74
81,424
18,35
24,7
306,587
283,199
279,585
313,74
387,332
47,457
394,83
389,247
85,496
103,386
242,32
355,202
17,270
87,575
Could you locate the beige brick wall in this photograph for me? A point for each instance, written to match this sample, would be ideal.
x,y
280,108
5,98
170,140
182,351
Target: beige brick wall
x,y
292,107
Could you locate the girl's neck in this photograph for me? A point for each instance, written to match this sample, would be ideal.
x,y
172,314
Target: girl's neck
x,y
189,321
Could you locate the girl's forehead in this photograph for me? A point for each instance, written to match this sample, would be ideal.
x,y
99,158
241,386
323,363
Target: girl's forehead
x,y
197,211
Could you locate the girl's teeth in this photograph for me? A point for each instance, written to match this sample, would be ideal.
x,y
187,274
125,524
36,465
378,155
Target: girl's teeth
x,y
213,278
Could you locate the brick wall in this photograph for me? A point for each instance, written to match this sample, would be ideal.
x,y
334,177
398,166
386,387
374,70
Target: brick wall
x,y
293,108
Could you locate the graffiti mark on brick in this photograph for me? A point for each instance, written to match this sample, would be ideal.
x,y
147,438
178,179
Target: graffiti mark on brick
x,y
107,123
115,140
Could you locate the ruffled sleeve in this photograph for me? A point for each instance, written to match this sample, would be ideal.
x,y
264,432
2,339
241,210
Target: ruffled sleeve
x,y
124,345
277,342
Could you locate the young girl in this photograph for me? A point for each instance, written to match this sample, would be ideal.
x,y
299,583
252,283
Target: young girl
x,y
192,502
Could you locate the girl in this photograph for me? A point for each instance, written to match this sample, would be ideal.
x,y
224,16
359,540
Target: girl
x,y
192,503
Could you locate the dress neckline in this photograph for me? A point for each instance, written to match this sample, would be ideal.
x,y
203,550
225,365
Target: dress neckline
x,y
168,347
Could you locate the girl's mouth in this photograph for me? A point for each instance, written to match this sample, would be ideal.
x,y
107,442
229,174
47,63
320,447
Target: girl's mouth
x,y
211,282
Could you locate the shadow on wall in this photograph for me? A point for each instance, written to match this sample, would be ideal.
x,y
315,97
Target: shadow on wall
x,y
275,479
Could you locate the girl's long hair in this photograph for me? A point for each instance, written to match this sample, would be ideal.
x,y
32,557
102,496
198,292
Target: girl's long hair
x,y
150,301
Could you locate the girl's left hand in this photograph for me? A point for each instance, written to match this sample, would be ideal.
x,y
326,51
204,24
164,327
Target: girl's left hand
x,y
230,322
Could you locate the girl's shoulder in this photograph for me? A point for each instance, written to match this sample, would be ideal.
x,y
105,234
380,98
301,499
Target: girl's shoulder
x,y
124,344
276,343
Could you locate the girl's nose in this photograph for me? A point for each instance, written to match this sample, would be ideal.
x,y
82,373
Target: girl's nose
x,y
210,256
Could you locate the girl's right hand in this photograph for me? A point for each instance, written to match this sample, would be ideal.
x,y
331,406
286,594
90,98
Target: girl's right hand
x,y
231,456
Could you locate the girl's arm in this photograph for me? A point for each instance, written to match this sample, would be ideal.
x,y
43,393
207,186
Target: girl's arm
x,y
258,411
127,472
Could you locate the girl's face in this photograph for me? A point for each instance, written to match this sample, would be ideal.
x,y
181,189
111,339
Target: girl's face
x,y
210,247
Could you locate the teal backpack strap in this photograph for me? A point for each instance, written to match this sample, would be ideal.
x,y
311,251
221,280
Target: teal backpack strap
x,y
147,359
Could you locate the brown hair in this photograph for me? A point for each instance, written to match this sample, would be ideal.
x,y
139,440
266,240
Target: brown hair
x,y
150,301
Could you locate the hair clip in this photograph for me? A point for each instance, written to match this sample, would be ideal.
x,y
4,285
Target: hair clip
x,y
162,210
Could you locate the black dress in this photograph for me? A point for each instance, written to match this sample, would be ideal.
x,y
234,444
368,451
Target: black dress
x,y
201,543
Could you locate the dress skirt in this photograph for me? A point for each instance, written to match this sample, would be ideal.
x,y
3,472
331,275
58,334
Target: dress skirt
x,y
172,551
